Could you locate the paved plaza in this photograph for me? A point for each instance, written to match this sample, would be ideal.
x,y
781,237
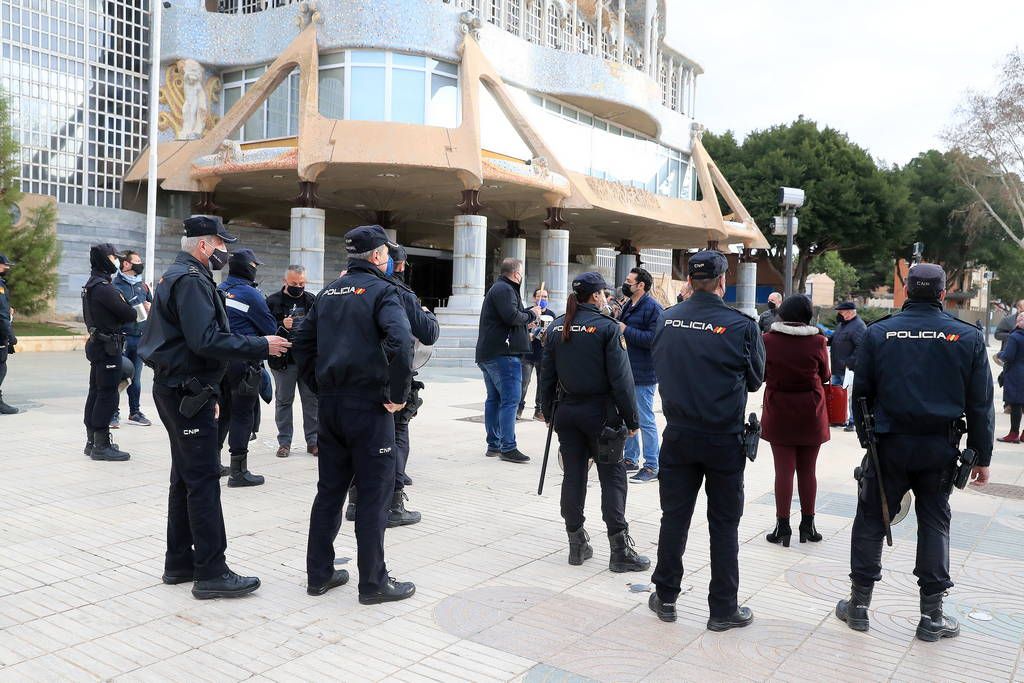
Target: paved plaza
x,y
81,552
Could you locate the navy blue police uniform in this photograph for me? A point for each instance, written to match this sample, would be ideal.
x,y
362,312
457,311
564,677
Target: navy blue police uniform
x,y
585,368
248,314
105,312
921,371
355,347
7,338
708,356
188,344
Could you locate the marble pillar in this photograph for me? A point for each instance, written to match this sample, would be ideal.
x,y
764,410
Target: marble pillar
x,y
307,244
623,264
469,263
746,284
554,257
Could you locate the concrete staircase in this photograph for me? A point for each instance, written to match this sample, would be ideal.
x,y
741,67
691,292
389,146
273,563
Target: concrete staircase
x,y
456,347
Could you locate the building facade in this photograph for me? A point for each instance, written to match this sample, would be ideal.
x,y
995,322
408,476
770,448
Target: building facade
x,y
558,131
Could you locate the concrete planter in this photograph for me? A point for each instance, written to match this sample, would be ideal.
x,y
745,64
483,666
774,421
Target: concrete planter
x,y
61,343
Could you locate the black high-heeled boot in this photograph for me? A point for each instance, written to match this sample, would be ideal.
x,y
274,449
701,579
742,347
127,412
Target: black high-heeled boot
x,y
782,532
807,530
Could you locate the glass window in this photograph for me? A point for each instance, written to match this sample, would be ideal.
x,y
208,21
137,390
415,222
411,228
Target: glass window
x,y
444,67
443,108
231,97
277,111
332,58
366,102
367,56
408,60
332,93
407,95
254,128
255,72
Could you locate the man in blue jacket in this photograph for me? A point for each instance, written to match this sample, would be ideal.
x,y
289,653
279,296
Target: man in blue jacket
x,y
638,322
248,314
128,281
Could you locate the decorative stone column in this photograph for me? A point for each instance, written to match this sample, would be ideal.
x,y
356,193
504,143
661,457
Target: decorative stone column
x,y
625,261
469,256
513,245
746,283
554,258
306,246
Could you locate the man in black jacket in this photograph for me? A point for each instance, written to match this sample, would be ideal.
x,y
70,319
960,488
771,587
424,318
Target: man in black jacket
x,y
7,338
355,346
843,347
188,344
289,307
502,341
105,311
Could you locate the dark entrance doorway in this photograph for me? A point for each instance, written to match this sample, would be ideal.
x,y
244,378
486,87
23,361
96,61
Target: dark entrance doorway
x,y
430,275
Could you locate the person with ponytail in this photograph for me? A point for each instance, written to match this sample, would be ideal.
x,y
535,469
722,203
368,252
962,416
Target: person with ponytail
x,y
587,391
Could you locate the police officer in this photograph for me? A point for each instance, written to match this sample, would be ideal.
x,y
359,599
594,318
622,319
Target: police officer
x,y
586,369
426,331
188,344
7,338
105,311
249,315
920,370
355,346
707,356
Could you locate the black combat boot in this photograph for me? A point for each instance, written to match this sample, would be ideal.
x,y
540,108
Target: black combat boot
x,y
228,585
743,616
854,611
389,592
350,509
782,532
6,409
624,557
103,449
807,530
240,476
934,624
666,611
398,515
90,441
579,547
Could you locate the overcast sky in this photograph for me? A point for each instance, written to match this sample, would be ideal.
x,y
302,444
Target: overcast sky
x,y
890,74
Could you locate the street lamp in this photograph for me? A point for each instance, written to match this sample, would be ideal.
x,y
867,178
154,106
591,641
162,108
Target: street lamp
x,y
155,9
790,199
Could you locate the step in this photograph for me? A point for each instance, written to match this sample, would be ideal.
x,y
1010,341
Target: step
x,y
456,352
459,332
436,362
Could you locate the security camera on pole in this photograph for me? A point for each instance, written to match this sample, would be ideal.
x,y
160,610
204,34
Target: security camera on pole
x,y
790,199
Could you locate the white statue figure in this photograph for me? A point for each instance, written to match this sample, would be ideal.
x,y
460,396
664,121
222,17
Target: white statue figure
x,y
196,108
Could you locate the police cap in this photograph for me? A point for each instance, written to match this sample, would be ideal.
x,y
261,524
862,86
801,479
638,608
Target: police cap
x,y
707,264
202,225
366,238
925,281
585,284
846,306
4,261
244,256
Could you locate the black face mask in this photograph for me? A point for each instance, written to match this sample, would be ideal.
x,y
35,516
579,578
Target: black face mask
x,y
137,268
399,275
246,271
218,259
626,289
771,305
294,292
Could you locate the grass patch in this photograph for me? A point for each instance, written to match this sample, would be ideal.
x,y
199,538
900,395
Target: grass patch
x,y
41,330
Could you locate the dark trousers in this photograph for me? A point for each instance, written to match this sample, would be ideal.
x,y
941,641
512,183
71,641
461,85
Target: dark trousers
x,y
355,442
195,522
689,459
3,362
104,376
1016,410
802,460
401,451
922,464
237,411
134,391
578,424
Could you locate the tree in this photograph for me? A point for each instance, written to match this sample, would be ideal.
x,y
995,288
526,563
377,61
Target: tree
x,y
988,143
33,245
842,273
853,206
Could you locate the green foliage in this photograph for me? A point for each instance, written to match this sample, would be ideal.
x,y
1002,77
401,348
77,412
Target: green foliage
x,y
33,246
853,206
843,274
23,329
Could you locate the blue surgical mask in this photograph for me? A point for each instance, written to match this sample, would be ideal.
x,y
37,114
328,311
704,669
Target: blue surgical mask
x,y
543,304
391,267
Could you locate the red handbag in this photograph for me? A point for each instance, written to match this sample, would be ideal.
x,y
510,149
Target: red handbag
x,y
836,403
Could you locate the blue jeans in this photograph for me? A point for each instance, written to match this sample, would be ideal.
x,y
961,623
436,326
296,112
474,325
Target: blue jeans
x,y
503,378
838,381
648,429
134,391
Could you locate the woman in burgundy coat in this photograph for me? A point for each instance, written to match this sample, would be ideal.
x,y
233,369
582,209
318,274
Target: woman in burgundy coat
x,y
795,419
